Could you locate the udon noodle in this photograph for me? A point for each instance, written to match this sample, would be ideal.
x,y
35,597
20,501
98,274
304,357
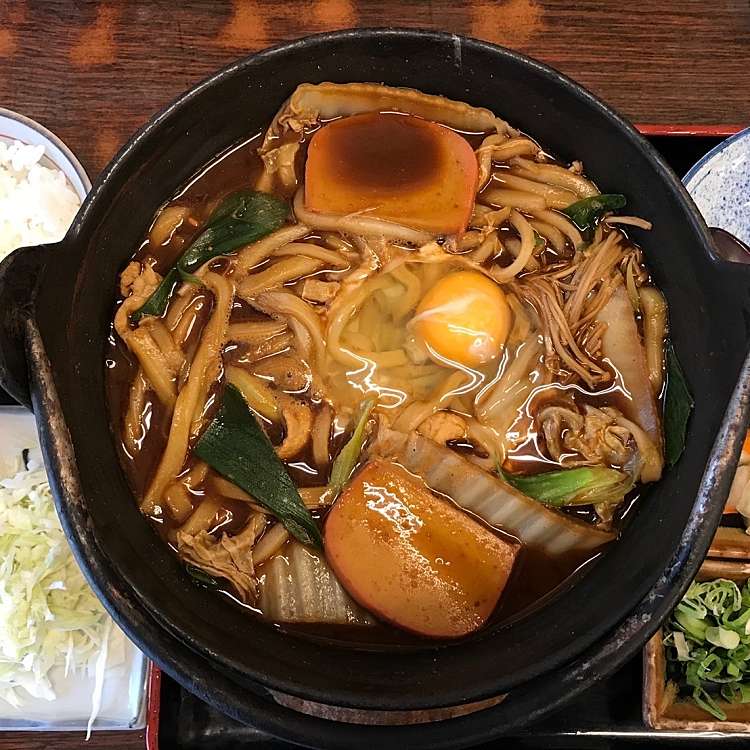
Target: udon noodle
x,y
390,340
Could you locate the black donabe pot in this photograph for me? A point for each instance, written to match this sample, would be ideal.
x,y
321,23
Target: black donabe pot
x,y
55,307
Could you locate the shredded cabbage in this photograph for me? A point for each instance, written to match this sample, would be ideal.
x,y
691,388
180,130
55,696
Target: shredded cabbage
x,y
48,614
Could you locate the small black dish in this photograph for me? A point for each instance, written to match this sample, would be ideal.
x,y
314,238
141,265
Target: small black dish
x,y
53,325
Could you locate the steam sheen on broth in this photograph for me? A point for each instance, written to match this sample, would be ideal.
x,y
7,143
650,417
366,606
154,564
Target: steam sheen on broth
x,y
388,367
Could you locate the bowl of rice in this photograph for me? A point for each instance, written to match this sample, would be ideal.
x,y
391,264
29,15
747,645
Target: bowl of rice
x,y
42,184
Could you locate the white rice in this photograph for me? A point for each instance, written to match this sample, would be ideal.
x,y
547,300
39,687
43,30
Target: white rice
x,y
37,203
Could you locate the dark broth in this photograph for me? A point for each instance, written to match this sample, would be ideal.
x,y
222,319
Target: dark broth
x,y
535,574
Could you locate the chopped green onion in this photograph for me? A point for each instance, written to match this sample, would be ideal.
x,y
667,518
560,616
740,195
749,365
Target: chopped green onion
x,y
235,446
707,703
708,646
719,636
585,212
200,576
693,626
347,459
680,643
736,692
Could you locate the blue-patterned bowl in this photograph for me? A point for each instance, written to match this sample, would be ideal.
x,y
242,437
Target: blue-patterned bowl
x,y
720,185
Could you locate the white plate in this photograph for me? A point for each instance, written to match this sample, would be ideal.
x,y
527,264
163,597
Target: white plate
x,y
720,185
124,697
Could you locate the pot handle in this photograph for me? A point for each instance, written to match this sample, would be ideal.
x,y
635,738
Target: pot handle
x,y
19,274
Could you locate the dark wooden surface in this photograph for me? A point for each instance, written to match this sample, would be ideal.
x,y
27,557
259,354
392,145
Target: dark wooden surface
x,y
73,741
93,72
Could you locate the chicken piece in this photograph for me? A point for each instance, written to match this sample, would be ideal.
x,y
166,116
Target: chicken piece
x,y
298,422
139,279
137,282
443,426
315,290
131,272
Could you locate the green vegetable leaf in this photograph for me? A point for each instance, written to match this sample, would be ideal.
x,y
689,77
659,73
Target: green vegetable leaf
x,y
241,218
580,486
157,303
678,404
236,447
586,211
201,577
347,459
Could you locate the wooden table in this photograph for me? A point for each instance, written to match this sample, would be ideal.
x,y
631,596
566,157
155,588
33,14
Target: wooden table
x,y
93,72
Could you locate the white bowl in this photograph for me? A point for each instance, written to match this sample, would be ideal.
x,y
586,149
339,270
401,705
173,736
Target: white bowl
x,y
15,127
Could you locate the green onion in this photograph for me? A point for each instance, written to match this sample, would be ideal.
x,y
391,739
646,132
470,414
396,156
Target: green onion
x,y
680,644
347,459
241,218
585,212
580,486
722,637
707,703
678,404
235,446
157,303
694,626
736,692
201,577
707,644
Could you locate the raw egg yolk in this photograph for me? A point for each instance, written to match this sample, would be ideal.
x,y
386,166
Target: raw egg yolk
x,y
464,318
